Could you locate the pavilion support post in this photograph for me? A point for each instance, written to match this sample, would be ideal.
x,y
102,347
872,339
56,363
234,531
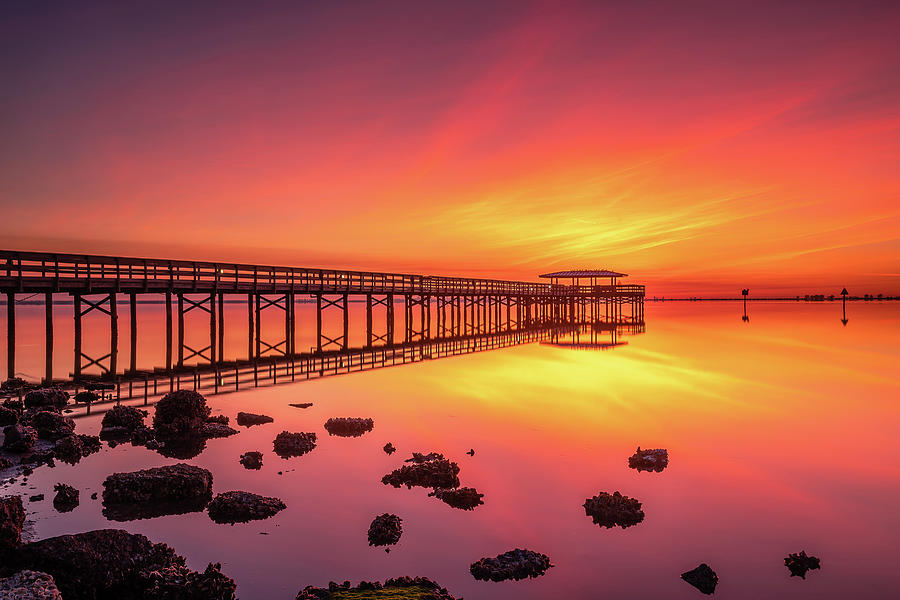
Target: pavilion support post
x,y
48,337
168,330
132,330
77,300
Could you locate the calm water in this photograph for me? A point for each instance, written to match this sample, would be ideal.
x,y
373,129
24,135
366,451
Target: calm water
x,y
782,436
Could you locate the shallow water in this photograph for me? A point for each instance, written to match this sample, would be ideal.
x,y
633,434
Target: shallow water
x,y
781,433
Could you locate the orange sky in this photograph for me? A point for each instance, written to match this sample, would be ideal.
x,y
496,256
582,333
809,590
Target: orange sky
x,y
699,147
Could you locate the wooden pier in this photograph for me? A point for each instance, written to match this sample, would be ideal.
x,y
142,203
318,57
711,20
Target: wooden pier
x,y
434,308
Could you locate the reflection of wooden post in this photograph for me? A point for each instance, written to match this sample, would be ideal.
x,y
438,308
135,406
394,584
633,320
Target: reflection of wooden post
x,y
168,330
132,305
368,320
113,335
10,335
48,342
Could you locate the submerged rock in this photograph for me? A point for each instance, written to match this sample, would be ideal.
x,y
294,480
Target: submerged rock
x,y
516,564
86,397
180,413
289,444
464,498
69,449
12,518
221,419
799,564
19,438
656,459
609,510
13,384
120,421
401,588
216,429
703,578
245,419
46,397
427,470
8,416
252,460
182,448
173,489
29,585
241,507
51,425
385,530
66,498
111,563
349,426
389,449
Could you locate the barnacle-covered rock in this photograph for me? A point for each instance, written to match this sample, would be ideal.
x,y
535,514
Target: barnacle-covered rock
x,y
349,426
703,578
385,530
241,507
121,421
252,460
389,449
19,438
427,470
12,518
180,413
51,425
516,564
173,489
86,397
8,416
655,459
66,498
216,429
46,397
29,585
799,564
177,582
289,444
609,510
401,588
245,419
464,498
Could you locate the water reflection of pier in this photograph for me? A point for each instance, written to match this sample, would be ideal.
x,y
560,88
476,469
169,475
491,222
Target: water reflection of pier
x,y
442,316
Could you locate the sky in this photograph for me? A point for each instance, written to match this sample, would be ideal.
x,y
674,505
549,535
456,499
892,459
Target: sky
x,y
701,147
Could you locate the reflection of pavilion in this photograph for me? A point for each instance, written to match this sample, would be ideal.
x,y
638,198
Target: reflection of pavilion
x,y
595,336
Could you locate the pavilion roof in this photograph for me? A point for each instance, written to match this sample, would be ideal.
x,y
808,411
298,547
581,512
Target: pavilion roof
x,y
583,273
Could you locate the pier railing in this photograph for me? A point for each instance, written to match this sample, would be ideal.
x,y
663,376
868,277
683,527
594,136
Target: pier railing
x,y
51,272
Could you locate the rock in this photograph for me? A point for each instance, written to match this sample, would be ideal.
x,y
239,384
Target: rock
x,y
471,452
349,426
52,425
89,444
252,460
389,449
5,463
656,459
609,510
180,413
799,564
464,498
46,397
516,564
13,384
385,530
120,421
216,430
36,498
241,507
68,449
427,470
182,448
12,518
220,419
19,438
112,563
142,436
173,489
288,444
301,405
402,588
177,582
29,585
8,416
703,578
66,498
86,397
100,387
249,419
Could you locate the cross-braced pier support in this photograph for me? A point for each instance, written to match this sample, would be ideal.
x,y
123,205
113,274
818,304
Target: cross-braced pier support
x,y
108,362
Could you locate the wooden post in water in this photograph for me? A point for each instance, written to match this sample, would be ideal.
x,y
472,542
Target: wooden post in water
x,y
346,343
113,335
180,329
168,330
221,354
77,300
212,327
48,338
318,322
368,320
250,328
390,319
132,308
10,335
258,327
